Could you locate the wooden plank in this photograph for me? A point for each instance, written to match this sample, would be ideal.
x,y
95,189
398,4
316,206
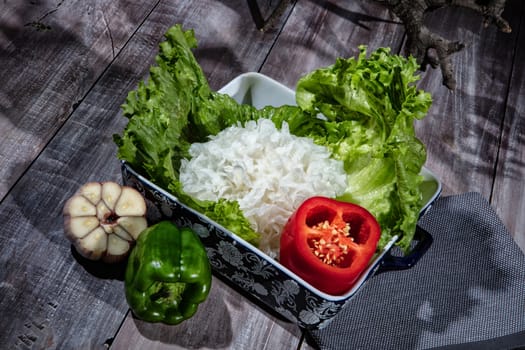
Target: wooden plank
x,y
229,42
509,187
317,32
462,128
52,298
231,320
49,297
225,321
52,54
266,12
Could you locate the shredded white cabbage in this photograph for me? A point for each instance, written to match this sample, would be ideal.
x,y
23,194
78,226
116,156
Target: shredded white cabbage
x,y
268,171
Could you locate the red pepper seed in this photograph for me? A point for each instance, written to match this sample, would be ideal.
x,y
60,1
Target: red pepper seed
x,y
329,248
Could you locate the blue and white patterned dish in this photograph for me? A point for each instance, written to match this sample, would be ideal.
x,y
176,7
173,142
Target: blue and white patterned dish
x,y
245,267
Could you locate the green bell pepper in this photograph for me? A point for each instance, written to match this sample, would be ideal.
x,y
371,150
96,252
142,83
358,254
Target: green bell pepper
x,y
168,274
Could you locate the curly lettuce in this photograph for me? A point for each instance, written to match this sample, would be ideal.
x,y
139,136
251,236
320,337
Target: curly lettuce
x,y
175,108
368,106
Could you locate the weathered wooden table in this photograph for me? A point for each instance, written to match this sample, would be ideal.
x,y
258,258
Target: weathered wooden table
x,y
65,69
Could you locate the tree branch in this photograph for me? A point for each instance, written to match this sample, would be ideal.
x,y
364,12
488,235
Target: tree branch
x,y
430,48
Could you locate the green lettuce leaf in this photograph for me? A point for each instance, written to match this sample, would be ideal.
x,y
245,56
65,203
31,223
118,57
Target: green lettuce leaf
x,y
171,111
370,105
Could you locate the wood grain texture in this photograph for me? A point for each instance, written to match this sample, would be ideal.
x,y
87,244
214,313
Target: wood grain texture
x,y
229,44
318,32
509,187
66,68
51,55
226,320
462,128
232,321
53,299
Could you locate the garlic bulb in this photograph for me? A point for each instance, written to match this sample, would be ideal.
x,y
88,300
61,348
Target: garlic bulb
x,y
103,220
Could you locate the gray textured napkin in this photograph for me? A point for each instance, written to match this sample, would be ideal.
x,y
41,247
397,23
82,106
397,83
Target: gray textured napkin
x,y
466,292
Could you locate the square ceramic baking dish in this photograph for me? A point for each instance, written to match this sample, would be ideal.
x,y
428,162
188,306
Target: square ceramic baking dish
x,y
246,268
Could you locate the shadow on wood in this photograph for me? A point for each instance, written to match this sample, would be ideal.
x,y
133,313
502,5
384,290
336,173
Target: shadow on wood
x,y
210,328
100,269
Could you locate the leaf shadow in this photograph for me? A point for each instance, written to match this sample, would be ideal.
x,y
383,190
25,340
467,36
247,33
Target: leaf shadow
x,y
359,19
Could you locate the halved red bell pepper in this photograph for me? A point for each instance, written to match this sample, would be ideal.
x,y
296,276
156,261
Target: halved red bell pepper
x,y
329,243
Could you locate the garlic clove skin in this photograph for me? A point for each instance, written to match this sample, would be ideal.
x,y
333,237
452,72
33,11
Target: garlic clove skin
x,y
81,206
91,191
103,220
117,246
111,193
93,245
128,205
132,225
81,226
